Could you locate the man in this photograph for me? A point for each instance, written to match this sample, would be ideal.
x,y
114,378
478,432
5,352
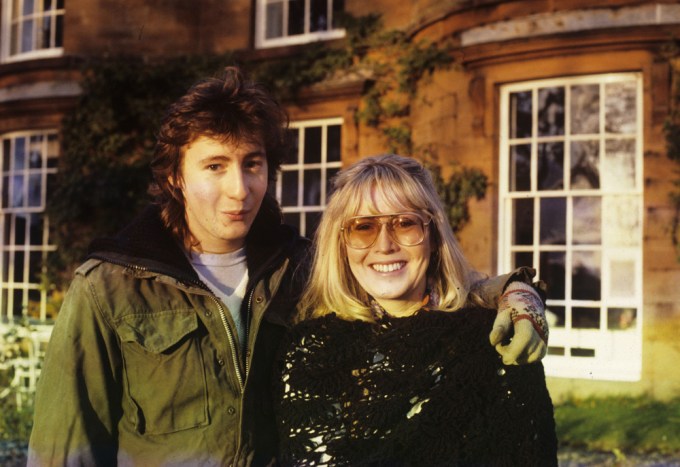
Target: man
x,y
163,350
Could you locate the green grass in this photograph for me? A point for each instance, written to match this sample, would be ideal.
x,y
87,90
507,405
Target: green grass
x,y
620,424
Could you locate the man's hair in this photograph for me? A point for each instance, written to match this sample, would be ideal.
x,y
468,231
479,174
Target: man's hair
x,y
228,108
407,186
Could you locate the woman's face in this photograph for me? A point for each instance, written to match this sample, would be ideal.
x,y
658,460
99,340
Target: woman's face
x,y
395,275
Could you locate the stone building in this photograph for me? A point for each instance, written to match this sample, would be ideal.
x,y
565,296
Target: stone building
x,y
562,104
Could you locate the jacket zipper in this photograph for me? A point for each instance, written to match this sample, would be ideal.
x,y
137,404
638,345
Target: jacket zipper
x,y
230,334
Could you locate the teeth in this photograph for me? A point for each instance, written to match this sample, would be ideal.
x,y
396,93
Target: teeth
x,y
388,267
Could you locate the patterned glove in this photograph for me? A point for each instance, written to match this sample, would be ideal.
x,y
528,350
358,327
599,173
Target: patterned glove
x,y
521,308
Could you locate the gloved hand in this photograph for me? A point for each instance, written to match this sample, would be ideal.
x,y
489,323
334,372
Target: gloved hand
x,y
521,310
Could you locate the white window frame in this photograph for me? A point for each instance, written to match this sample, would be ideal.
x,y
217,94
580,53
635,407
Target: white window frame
x,y
8,22
618,353
262,42
299,166
8,247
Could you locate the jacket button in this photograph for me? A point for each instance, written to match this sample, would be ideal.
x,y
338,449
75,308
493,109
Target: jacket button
x,y
220,361
231,410
208,313
259,299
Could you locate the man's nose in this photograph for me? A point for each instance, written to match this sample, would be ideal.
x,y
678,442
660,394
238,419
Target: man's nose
x,y
236,185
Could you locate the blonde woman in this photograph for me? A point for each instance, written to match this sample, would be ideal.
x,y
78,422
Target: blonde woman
x,y
390,362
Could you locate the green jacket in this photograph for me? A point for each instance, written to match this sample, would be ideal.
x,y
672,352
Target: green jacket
x,y
144,368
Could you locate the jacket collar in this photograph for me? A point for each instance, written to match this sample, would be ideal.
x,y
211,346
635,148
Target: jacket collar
x,y
147,243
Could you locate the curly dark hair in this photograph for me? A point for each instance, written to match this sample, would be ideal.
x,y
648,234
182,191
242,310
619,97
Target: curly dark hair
x,y
228,107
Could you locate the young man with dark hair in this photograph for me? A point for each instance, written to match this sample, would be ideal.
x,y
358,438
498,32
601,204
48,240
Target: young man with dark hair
x,y
162,353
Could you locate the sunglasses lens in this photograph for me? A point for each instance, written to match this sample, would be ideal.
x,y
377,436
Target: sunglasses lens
x,y
362,232
405,229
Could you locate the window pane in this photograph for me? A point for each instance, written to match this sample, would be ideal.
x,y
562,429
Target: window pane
x,y
622,279
36,230
580,352
585,318
312,220
289,188
35,190
585,109
6,228
621,216
59,33
5,192
312,145
523,221
18,266
19,154
6,153
274,27
585,276
551,270
20,229
333,143
35,267
553,218
523,258
555,316
17,193
618,171
45,33
551,111
296,17
587,215
338,8
520,167
620,107
585,165
318,16
312,189
27,36
621,318
28,8
294,146
551,166
520,114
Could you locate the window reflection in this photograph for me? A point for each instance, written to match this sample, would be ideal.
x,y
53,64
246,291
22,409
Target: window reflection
x,y
621,215
551,111
585,165
585,318
551,166
587,212
586,275
520,114
551,270
523,224
520,167
553,219
312,188
621,318
620,107
619,164
585,109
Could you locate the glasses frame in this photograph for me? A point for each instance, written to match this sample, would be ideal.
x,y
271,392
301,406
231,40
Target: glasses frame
x,y
425,219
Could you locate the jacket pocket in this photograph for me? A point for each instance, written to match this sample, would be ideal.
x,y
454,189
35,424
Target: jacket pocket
x,y
164,370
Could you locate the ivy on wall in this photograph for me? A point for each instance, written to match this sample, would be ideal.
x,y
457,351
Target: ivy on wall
x,y
108,139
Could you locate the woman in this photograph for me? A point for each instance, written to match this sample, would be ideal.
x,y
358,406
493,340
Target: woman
x,y
390,364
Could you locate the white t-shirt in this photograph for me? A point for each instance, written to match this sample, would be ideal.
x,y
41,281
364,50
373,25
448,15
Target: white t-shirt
x,y
226,275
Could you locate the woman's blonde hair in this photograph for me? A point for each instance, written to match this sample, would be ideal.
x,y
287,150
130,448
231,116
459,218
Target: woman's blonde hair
x,y
407,186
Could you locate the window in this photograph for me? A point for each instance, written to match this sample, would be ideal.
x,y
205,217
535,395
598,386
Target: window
x,y
571,207
303,187
286,22
32,29
29,162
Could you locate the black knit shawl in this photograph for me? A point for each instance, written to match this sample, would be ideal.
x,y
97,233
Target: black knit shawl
x,y
423,390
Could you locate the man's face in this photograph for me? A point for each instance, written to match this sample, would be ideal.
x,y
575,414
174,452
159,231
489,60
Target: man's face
x,y
223,185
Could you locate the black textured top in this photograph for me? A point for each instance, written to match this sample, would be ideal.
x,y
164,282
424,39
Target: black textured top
x,y
426,390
